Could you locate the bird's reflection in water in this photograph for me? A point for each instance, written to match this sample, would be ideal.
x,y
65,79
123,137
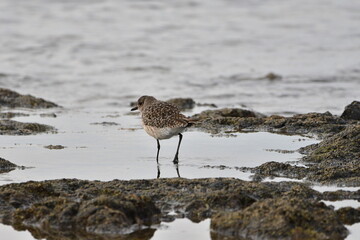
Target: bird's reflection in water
x,y
176,167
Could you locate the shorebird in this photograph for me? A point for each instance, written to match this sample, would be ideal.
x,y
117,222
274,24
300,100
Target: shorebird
x,y
162,120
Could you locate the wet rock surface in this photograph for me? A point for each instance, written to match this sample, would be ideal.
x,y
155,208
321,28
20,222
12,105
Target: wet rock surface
x,y
336,159
70,208
105,123
12,99
6,166
352,111
282,218
57,147
182,103
8,115
348,215
319,124
10,127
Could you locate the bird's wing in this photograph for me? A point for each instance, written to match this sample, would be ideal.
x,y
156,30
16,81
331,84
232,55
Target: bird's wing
x,y
163,114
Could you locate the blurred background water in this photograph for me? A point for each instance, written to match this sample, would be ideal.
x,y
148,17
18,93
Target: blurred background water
x,y
106,53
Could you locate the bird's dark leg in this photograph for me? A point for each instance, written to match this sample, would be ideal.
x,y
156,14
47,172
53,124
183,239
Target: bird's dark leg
x,y
158,171
176,159
158,150
177,169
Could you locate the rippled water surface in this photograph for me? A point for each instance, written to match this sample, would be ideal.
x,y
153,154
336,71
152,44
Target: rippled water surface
x,y
107,53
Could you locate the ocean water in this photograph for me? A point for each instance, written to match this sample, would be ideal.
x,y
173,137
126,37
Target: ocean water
x,y
106,53
95,57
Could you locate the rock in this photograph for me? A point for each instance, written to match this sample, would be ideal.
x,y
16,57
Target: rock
x,y
343,146
341,195
52,115
276,169
11,99
6,166
105,123
79,209
348,215
9,115
61,208
212,105
54,147
282,218
71,207
352,111
320,124
273,76
182,103
225,113
10,127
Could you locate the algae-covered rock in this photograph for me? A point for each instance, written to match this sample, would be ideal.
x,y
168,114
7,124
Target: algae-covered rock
x,y
182,103
10,127
283,218
57,147
9,98
276,169
72,207
6,166
78,209
337,158
344,146
321,124
348,215
227,112
352,111
9,115
120,207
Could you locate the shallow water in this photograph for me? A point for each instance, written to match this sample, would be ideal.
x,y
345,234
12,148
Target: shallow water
x,y
124,151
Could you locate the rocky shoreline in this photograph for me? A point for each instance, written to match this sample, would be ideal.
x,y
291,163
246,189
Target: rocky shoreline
x,y
79,209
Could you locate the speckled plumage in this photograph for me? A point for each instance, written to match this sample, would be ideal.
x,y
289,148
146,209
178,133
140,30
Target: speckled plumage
x,y
162,114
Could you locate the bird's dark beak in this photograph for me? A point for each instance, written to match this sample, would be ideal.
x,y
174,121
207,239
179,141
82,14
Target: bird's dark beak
x,y
134,108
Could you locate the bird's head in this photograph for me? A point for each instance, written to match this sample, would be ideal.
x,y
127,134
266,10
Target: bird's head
x,y
143,102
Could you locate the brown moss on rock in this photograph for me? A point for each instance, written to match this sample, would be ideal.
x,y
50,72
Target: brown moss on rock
x,y
283,218
226,112
57,147
348,215
277,169
343,146
352,111
9,115
6,166
321,124
337,158
77,209
182,103
11,99
10,127
120,207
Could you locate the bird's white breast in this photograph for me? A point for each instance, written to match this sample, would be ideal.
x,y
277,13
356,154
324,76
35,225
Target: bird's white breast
x,y
162,133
